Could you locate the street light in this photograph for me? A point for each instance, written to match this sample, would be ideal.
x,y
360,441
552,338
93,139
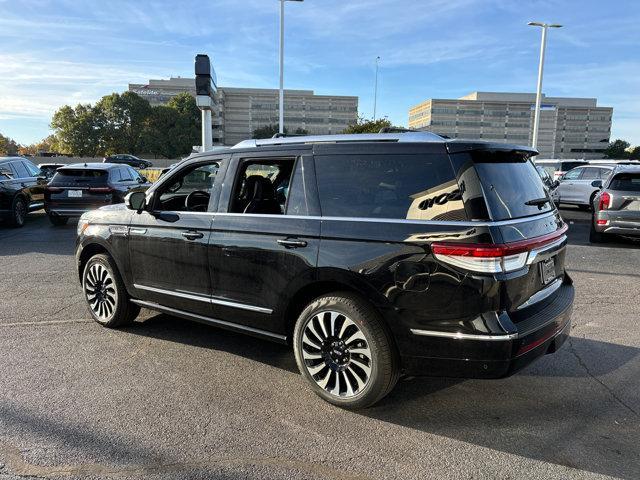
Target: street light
x,y
543,44
281,127
375,91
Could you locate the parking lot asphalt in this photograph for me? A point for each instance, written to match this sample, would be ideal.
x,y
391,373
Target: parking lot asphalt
x,y
167,398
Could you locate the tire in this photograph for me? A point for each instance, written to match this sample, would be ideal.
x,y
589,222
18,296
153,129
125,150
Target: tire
x,y
101,282
57,220
591,199
326,336
18,212
596,237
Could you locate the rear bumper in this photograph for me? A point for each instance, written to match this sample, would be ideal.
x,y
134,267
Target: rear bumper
x,y
71,210
472,356
619,222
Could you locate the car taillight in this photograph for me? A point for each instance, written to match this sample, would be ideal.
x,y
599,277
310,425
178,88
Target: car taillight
x,y
101,189
54,189
605,201
492,258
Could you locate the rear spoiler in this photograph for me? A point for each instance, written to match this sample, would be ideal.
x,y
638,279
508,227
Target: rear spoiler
x,y
503,149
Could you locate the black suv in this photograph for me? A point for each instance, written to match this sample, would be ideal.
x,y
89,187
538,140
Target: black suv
x,y
77,188
21,189
373,256
130,160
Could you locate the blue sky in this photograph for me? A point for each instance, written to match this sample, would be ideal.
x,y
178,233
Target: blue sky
x,y
69,51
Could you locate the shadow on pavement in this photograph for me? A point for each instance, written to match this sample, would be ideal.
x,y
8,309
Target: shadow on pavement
x,y
554,411
38,236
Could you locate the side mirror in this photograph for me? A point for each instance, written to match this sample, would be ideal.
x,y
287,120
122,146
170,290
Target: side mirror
x,y
597,183
136,201
555,184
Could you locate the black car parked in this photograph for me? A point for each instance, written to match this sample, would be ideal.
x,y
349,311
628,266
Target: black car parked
x,y
21,189
81,187
385,255
130,160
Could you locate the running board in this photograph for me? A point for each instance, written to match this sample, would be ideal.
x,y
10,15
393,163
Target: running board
x,y
256,332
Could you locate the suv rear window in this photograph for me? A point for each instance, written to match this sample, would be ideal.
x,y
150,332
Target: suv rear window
x,y
420,187
79,175
498,185
628,182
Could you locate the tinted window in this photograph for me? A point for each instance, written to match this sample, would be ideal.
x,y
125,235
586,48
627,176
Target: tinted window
x,y
419,187
66,175
20,169
566,166
32,169
125,175
629,182
134,175
297,197
262,186
499,185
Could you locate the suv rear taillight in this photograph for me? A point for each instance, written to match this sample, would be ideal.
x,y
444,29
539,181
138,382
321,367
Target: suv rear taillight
x,y
101,190
604,201
54,189
492,258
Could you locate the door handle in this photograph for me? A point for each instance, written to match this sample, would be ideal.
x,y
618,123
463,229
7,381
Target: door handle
x,y
192,235
289,243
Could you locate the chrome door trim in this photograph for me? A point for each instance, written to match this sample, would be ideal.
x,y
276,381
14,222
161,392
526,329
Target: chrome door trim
x,y
207,299
211,321
464,336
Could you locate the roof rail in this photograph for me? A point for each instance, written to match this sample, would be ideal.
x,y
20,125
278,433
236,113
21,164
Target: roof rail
x,y
342,138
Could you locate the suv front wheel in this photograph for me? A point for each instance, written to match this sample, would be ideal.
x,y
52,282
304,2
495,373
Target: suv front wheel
x,y
106,295
343,349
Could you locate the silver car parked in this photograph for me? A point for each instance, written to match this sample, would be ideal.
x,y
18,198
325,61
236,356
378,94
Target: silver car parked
x,y
616,206
576,187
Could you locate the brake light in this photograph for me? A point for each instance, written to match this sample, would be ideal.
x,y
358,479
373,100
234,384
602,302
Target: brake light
x,y
492,258
605,201
54,189
101,189
602,222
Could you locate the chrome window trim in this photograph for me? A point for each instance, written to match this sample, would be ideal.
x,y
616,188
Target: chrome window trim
x,y
209,320
206,299
464,336
483,223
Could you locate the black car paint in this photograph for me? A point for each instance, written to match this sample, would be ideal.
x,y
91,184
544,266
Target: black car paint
x,y
238,262
130,160
30,188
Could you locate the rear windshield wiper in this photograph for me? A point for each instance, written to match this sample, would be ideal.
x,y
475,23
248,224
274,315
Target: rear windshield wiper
x,y
538,202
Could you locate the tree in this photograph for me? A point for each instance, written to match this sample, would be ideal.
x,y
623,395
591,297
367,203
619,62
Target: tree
x,y
186,132
635,154
267,131
47,144
617,149
158,135
77,130
121,121
8,146
364,125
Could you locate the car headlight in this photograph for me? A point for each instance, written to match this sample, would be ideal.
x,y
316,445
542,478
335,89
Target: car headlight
x,y
82,226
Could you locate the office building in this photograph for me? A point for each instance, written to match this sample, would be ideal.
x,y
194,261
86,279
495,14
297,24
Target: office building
x,y
569,127
237,112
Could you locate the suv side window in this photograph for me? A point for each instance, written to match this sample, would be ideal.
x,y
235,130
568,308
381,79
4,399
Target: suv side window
x,y
31,168
262,186
125,174
135,176
419,187
20,169
172,195
590,174
573,174
297,202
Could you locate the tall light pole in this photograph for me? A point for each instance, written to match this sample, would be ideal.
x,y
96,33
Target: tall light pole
x,y
281,117
375,91
543,45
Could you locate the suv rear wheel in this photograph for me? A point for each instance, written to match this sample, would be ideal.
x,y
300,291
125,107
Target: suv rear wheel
x,y
343,349
595,236
18,212
107,298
